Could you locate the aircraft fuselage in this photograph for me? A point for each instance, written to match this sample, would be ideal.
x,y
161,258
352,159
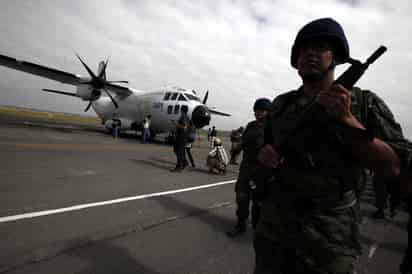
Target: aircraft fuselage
x,y
163,105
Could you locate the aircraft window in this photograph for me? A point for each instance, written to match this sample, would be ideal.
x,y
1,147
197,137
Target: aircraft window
x,y
192,97
177,109
167,96
169,109
181,98
174,96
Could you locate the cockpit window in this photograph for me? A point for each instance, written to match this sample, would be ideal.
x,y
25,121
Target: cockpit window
x,y
192,97
174,96
181,98
167,96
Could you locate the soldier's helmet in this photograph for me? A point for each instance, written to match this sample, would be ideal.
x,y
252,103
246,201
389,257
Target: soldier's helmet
x,y
262,104
217,142
328,29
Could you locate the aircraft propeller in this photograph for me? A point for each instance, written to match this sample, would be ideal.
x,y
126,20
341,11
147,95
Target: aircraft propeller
x,y
205,98
211,110
99,82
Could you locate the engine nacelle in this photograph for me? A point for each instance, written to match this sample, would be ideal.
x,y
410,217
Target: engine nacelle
x,y
88,93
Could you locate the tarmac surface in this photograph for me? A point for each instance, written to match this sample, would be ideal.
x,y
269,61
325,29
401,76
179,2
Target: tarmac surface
x,y
75,200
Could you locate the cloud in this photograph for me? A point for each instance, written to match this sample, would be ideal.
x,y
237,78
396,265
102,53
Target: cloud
x,y
239,50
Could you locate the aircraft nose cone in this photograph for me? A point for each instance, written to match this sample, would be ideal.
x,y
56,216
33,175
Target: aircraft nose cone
x,y
200,116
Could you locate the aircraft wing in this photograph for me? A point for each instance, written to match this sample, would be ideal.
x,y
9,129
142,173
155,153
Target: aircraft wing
x,y
49,73
54,74
119,90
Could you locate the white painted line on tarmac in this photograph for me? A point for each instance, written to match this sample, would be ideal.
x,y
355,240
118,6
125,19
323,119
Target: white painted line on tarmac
x,y
103,203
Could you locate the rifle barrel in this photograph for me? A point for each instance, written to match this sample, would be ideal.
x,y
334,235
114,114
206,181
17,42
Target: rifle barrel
x,y
376,55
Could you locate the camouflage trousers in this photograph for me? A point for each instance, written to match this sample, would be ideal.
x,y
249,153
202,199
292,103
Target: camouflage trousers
x,y
273,258
406,265
244,194
235,151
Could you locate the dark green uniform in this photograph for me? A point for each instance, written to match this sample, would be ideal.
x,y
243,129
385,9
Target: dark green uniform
x,y
236,139
406,265
252,141
308,221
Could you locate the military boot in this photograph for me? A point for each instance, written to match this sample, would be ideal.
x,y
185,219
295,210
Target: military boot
x,y
239,229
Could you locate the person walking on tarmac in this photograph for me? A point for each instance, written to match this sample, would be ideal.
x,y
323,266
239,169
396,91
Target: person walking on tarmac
x,y
213,135
146,129
191,138
308,221
116,128
252,140
180,140
236,148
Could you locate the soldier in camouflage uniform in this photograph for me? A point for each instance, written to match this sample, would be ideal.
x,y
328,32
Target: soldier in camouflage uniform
x,y
252,140
308,222
406,190
406,265
236,140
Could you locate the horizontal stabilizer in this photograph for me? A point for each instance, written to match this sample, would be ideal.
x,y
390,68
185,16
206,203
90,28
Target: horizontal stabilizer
x,y
61,92
215,112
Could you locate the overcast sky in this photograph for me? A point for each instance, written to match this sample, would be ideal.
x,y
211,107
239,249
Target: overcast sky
x,y
239,50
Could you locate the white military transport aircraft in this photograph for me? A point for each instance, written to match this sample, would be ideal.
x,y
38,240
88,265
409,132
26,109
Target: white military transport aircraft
x,y
114,102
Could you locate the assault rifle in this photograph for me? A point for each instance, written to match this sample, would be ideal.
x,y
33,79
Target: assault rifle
x,y
357,68
347,79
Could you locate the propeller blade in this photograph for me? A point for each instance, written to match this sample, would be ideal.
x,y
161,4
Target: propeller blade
x,y
111,98
102,73
91,73
205,98
113,82
60,92
88,106
219,113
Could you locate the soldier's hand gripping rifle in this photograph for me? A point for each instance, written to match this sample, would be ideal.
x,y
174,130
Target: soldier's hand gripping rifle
x,y
348,79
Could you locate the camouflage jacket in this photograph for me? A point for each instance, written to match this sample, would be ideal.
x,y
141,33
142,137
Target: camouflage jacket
x,y
235,136
303,208
252,141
